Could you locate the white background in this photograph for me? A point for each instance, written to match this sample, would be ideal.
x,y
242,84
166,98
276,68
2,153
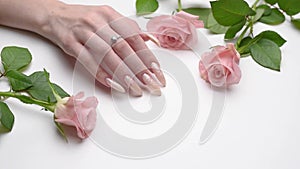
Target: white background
x,y
260,127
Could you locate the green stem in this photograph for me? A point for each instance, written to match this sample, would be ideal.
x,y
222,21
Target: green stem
x,y
29,100
242,35
249,25
179,5
255,4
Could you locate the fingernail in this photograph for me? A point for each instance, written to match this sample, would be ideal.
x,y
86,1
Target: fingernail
x,y
134,89
115,85
152,85
152,38
158,73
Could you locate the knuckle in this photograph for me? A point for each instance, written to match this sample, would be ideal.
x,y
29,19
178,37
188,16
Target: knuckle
x,y
68,44
106,8
89,20
134,24
133,40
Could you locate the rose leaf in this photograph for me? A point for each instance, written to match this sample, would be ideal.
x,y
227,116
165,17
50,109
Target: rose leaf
x,y
296,23
230,12
267,9
18,80
259,13
273,36
144,7
41,89
233,30
15,58
291,7
275,18
7,118
214,26
244,46
271,2
266,53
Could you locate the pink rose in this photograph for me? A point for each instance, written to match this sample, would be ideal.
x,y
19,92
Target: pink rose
x,y
192,18
73,111
177,31
220,67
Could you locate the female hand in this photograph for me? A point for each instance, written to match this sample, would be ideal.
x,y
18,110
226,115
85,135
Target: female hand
x,y
109,45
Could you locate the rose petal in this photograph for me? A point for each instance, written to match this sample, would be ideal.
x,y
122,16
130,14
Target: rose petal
x,y
221,65
174,32
78,113
191,18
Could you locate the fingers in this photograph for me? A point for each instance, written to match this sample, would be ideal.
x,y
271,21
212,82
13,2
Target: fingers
x,y
87,60
130,58
135,39
124,61
138,45
147,36
112,64
121,72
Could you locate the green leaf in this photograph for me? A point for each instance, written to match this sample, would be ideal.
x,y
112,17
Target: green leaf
x,y
230,12
41,89
55,88
296,23
267,9
273,36
25,99
244,47
233,30
7,118
276,17
291,7
60,91
259,13
271,2
214,26
266,53
18,80
15,58
201,12
144,7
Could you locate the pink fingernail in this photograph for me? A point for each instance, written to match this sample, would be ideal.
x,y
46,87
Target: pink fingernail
x,y
134,89
115,85
151,84
158,73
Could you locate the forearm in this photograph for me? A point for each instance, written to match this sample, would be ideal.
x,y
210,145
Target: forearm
x,y
29,15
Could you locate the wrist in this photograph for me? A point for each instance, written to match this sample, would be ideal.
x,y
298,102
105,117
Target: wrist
x,y
44,21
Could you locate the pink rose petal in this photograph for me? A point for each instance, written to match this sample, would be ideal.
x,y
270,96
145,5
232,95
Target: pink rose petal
x,y
78,113
222,63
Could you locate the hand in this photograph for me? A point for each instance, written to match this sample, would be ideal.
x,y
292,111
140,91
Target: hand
x,y
86,32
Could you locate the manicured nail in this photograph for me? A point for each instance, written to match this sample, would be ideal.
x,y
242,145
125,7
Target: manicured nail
x,y
158,73
151,84
134,89
152,38
115,85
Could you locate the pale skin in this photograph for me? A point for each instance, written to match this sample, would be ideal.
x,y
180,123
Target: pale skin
x,y
85,32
